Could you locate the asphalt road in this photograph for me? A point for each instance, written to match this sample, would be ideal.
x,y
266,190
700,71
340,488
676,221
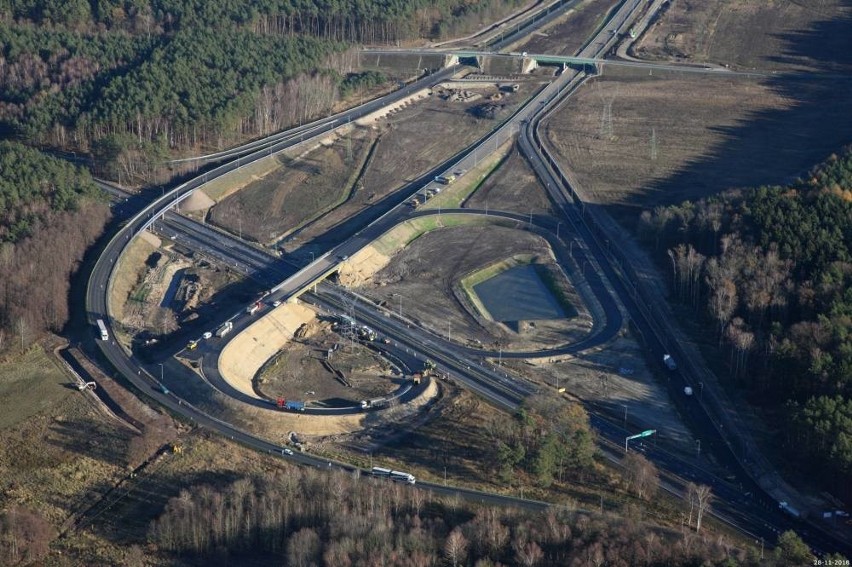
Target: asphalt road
x,y
655,336
97,305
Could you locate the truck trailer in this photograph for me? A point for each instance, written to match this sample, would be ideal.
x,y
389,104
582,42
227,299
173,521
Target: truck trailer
x,y
225,329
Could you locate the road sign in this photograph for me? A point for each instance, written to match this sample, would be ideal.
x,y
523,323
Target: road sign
x,y
646,433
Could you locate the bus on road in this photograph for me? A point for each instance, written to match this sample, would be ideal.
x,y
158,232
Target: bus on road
x,y
402,477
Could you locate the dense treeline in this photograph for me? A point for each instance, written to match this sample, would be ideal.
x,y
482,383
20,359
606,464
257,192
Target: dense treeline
x,y
350,20
50,212
772,268
33,186
130,82
307,517
190,89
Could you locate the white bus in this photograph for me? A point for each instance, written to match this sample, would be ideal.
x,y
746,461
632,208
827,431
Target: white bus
x,y
398,476
103,330
379,471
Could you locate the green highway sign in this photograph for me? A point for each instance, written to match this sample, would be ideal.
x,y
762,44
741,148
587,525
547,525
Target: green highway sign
x,y
647,433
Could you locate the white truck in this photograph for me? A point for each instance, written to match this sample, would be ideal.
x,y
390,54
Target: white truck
x,y
225,329
374,403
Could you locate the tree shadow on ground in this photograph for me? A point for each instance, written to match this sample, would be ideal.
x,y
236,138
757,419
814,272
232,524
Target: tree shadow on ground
x,y
774,146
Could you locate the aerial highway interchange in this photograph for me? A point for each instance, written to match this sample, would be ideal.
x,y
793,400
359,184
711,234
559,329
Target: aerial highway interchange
x,y
579,242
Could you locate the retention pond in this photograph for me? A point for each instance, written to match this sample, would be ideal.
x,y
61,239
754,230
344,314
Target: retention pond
x,y
518,294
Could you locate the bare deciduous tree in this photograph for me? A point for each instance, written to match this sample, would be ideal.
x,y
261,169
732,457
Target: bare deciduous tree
x,y
699,498
455,548
640,475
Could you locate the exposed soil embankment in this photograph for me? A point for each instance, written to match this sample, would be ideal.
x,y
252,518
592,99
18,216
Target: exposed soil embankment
x,y
243,356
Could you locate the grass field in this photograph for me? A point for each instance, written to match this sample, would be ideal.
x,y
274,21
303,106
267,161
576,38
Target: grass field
x,y
58,451
764,34
297,192
29,384
411,141
674,136
454,195
512,186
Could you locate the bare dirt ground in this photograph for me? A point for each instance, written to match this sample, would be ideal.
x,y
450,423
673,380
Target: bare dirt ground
x,y
424,280
511,187
304,371
674,136
158,291
767,34
611,379
251,348
411,141
569,33
299,190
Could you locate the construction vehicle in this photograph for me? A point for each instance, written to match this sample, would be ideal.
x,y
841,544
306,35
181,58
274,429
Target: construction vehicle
x,y
446,179
176,448
225,329
192,345
367,334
